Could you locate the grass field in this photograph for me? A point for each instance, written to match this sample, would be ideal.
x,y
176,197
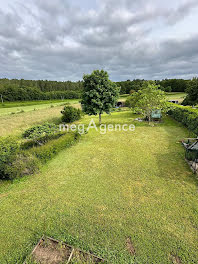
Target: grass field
x,y
13,124
105,189
18,107
176,96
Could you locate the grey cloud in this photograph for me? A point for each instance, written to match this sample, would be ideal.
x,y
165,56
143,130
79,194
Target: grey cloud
x,y
56,40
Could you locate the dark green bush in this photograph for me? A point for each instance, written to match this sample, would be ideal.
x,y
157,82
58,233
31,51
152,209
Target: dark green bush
x,y
9,148
186,116
39,131
70,114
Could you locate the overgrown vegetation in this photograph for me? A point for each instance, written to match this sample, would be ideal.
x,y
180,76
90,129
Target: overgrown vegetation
x,y
70,114
38,131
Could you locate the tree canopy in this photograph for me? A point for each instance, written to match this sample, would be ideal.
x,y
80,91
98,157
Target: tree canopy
x,y
148,99
192,93
99,93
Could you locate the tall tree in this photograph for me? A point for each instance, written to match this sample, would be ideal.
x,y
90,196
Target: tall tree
x,y
99,94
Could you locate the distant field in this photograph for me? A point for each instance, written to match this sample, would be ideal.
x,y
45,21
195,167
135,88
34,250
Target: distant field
x,y
16,123
176,96
170,96
16,107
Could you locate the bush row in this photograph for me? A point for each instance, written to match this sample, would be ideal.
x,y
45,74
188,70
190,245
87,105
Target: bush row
x,y
185,115
15,93
17,161
49,150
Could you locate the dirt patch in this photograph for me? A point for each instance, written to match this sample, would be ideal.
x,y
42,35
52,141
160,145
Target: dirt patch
x,y
175,259
130,247
51,251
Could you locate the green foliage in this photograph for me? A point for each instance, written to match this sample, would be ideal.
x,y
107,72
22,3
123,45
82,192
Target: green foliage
x,y
148,99
70,114
99,94
167,85
39,131
186,116
17,93
192,93
49,150
23,164
176,85
9,149
16,162
34,142
167,89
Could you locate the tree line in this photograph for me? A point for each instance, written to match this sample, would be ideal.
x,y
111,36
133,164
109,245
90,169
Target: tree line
x,y
167,85
24,90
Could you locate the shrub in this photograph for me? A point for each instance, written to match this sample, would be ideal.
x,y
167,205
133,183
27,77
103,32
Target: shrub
x,y
9,149
70,114
41,130
48,151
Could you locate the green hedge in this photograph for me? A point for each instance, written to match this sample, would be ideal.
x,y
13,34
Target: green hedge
x,y
49,150
16,162
185,115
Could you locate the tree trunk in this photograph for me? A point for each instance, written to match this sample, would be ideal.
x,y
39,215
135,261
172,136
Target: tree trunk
x,y
99,118
149,117
1,98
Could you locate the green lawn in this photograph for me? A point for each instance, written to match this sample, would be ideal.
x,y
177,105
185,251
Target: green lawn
x,y
107,188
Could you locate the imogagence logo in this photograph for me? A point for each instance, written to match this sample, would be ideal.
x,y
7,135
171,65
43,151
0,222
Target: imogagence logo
x,y
103,128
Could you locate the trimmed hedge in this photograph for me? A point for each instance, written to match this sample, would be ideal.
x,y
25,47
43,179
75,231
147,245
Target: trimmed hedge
x,y
187,116
16,162
49,150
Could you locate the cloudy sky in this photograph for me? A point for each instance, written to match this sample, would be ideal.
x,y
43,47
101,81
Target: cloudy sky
x,y
62,39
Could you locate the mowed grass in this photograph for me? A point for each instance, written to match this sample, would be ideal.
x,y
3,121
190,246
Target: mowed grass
x,y
13,124
107,188
176,96
26,106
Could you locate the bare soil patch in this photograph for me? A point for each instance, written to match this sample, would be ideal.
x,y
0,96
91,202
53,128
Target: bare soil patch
x,y
130,246
51,251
